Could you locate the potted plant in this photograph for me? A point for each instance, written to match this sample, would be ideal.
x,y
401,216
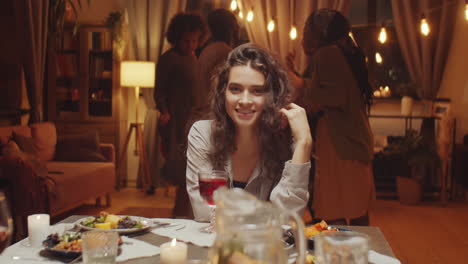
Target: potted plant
x,y
414,157
114,22
59,11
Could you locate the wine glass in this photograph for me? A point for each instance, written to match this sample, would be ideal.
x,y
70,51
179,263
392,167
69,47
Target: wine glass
x,y
209,181
6,223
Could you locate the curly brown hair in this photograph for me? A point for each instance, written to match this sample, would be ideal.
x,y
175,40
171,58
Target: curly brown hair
x,y
185,22
275,143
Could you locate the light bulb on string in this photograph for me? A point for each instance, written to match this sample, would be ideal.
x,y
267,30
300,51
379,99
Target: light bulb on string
x,y
233,5
293,32
425,29
250,16
241,15
383,35
271,25
378,58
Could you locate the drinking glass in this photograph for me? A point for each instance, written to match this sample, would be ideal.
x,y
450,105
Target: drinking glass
x,y
99,247
6,223
209,181
342,247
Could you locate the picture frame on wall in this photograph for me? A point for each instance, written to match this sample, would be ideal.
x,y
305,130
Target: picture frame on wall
x,y
440,108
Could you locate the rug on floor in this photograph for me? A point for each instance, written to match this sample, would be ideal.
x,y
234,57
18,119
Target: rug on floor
x,y
149,212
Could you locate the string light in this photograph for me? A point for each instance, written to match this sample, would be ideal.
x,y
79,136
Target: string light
x,y
233,5
293,32
425,30
250,16
271,25
383,35
378,58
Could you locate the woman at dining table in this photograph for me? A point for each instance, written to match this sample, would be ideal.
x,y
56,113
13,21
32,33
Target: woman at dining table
x,y
255,134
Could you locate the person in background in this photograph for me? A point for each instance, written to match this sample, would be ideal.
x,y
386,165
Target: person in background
x,y
246,137
177,79
224,36
336,83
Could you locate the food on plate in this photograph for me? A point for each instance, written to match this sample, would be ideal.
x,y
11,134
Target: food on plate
x,y
70,241
310,259
110,221
313,230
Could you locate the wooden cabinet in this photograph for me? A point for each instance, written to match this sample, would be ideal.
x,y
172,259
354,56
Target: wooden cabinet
x,y
83,85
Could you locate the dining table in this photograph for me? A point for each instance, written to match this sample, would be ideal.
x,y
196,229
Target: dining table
x,y
377,242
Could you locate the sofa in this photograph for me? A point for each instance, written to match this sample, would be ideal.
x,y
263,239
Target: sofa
x,y
45,181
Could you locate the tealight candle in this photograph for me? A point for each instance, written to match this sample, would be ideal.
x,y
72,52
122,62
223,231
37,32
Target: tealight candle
x,y
38,229
173,252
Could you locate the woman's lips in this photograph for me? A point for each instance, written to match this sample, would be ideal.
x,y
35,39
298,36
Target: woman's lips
x,y
245,114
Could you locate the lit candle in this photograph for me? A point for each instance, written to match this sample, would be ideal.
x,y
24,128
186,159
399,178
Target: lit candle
x,y
38,229
173,252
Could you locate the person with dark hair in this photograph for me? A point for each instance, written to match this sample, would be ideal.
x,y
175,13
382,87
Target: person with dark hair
x,y
245,136
224,36
336,83
177,80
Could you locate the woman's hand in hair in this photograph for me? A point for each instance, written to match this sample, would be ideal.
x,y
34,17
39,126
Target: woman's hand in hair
x,y
300,130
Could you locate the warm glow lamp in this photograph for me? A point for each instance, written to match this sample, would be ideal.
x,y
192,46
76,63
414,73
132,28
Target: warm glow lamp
x,y
138,74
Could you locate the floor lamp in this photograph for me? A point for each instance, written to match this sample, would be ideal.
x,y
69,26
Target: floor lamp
x,y
138,74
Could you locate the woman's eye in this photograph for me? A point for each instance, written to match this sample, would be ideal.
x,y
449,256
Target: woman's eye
x,y
234,89
259,91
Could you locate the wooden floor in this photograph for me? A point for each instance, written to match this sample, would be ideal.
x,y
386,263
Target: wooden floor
x,y
428,233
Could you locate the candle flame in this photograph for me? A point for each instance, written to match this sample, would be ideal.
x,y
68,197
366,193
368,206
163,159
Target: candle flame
x,y
173,242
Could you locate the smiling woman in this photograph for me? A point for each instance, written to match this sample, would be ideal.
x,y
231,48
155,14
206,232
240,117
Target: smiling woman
x,y
247,139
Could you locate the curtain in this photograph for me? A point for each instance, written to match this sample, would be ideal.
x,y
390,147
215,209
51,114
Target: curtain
x,y
425,56
148,21
285,13
31,18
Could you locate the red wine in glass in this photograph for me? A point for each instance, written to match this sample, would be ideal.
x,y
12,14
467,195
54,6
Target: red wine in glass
x,y
208,186
208,182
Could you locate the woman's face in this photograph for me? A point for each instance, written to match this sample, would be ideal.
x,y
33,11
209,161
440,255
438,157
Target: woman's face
x,y
189,42
245,96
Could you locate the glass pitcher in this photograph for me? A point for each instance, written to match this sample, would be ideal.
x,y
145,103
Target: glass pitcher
x,y
250,231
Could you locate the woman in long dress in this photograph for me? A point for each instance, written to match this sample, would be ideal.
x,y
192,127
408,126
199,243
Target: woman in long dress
x,y
338,86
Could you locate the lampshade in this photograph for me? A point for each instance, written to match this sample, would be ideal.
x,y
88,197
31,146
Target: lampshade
x,y
137,74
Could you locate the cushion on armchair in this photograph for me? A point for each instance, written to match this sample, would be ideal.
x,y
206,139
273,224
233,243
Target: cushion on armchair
x,y
45,138
83,147
11,149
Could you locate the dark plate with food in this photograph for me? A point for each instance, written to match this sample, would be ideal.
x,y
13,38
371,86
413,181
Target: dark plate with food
x,y
311,232
67,245
64,247
122,224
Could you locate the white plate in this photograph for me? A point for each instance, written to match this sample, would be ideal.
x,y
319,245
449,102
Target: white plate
x,y
144,221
